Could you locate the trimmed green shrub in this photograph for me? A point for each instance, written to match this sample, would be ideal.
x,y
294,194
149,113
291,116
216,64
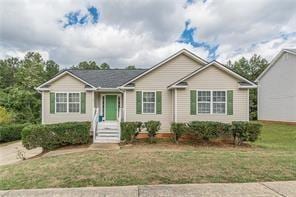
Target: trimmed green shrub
x,y
245,131
178,129
207,130
152,128
55,135
11,132
129,130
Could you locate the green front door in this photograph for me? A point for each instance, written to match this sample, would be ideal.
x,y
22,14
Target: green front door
x,y
111,107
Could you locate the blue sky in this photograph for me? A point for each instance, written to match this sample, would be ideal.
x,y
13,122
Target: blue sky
x,y
141,33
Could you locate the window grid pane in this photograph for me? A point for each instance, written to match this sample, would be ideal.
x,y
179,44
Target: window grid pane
x,y
61,102
74,102
219,102
148,102
148,97
204,102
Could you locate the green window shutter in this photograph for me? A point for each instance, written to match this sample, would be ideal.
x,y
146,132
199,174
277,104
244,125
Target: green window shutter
x,y
52,102
82,103
193,102
230,102
138,102
158,102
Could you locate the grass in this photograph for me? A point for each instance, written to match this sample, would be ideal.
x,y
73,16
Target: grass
x,y
162,163
278,137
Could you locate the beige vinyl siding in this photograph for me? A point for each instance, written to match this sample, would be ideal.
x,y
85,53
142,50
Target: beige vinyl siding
x,y
277,91
158,80
213,79
66,83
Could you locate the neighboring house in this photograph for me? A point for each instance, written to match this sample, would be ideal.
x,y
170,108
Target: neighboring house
x,y
181,88
277,88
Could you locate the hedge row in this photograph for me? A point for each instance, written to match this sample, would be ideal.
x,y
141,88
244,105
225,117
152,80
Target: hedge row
x,y
55,135
239,130
11,132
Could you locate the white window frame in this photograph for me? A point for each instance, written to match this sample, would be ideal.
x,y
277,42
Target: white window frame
x,y
211,102
67,102
219,102
149,102
205,102
79,96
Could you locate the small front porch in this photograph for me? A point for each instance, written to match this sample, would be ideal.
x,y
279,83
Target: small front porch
x,y
107,115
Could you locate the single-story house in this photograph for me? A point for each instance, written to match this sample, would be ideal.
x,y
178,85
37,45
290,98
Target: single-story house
x,y
181,88
277,88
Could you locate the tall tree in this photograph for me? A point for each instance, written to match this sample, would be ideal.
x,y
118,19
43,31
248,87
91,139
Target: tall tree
x,y
31,72
104,66
250,69
90,65
51,69
8,68
131,67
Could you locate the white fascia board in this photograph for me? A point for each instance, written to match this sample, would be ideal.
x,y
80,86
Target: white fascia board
x,y
62,74
215,63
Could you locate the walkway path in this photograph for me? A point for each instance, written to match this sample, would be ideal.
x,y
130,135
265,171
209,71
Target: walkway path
x,y
9,152
270,189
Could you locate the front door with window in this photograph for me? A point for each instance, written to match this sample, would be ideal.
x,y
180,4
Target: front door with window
x,y
111,107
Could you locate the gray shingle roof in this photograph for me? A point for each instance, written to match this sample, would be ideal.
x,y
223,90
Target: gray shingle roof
x,y
292,50
107,78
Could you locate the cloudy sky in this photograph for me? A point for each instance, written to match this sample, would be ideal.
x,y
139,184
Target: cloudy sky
x,y
141,33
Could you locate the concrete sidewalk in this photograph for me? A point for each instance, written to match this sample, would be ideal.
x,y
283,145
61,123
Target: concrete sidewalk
x,y
270,189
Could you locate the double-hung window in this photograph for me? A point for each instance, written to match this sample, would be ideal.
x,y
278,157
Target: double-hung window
x,y
74,102
211,102
148,102
61,102
219,102
204,102
67,102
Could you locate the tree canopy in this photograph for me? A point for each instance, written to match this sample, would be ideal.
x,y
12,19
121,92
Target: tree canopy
x,y
131,67
250,69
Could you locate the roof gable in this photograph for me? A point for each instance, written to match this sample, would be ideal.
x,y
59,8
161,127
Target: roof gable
x,y
247,83
274,60
45,85
183,51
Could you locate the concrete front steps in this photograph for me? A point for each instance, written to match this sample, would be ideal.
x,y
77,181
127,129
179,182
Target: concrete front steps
x,y
108,132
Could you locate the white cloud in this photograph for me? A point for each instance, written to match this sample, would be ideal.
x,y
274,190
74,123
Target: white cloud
x,y
144,32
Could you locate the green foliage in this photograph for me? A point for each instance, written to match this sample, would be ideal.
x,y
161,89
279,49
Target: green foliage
x,y
11,132
31,71
5,116
18,78
53,136
245,131
8,68
104,66
90,65
128,131
25,104
51,69
207,130
152,128
178,129
250,69
131,67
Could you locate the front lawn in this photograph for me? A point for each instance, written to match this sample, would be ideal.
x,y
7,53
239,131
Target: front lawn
x,y
161,163
278,137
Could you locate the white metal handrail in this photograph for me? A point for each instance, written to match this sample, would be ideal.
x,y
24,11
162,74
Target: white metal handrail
x,y
95,121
